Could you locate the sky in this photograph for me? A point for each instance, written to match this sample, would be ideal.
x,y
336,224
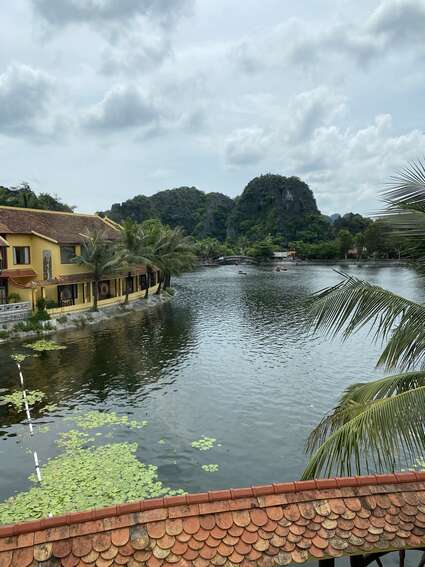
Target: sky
x,y
101,100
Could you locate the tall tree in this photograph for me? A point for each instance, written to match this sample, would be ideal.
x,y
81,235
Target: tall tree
x,y
132,246
170,250
100,256
377,423
345,241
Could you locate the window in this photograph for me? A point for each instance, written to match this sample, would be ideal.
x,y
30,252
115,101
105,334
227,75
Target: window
x,y
21,255
67,294
67,254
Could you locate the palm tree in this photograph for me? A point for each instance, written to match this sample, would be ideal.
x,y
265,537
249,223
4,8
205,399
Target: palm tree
x,y
133,246
377,424
171,251
100,256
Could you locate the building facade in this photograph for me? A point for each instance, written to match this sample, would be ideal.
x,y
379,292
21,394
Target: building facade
x,y
36,252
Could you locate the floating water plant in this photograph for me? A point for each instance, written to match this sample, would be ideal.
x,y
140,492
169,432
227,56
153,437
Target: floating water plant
x,y
17,401
45,346
73,439
94,419
19,358
210,468
79,479
204,444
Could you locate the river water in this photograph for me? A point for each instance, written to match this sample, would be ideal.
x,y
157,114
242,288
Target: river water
x,y
228,358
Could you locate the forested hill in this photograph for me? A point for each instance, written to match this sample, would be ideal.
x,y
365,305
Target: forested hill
x,y
200,214
273,205
24,196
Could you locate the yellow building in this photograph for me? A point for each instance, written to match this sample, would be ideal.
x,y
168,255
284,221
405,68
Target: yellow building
x,y
36,251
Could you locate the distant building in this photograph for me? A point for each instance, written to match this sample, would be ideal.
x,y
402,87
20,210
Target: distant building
x,y
36,251
284,255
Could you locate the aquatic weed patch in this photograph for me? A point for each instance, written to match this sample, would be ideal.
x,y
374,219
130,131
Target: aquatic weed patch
x,y
79,479
19,358
73,439
204,444
210,468
94,419
16,399
45,346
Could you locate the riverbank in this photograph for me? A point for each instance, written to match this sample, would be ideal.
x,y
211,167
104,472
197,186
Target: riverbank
x,y
81,319
351,262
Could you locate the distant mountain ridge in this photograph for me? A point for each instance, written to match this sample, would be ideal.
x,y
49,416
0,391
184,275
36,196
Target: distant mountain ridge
x,y
270,204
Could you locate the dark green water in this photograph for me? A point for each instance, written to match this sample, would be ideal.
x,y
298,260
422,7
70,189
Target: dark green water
x,y
228,358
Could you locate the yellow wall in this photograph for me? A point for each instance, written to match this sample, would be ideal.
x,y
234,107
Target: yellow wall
x,y
56,311
37,246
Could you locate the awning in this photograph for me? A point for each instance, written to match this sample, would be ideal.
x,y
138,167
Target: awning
x,y
18,273
3,241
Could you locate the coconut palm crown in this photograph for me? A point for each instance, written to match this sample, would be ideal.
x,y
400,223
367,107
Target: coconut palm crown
x,y
377,425
102,258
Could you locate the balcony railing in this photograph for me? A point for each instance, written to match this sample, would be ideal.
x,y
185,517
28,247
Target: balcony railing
x,y
15,311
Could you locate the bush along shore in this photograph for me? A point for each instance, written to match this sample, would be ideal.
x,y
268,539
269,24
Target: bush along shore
x,y
41,324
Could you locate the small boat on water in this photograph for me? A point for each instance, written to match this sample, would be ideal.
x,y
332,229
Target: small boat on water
x,y
242,273
280,269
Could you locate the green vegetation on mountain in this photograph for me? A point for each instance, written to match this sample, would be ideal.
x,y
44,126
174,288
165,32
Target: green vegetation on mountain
x,y
282,207
24,196
273,212
276,205
199,214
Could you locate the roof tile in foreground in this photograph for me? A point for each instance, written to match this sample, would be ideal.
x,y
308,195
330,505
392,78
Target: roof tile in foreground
x,y
277,524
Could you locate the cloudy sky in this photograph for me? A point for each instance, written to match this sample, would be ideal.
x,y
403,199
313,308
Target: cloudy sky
x,y
101,100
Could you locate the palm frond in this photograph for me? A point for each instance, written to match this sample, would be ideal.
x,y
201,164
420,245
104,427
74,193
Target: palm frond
x,y
405,201
353,303
356,398
376,436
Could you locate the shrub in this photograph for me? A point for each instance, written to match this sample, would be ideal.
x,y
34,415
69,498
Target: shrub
x,y
41,313
14,298
41,304
27,326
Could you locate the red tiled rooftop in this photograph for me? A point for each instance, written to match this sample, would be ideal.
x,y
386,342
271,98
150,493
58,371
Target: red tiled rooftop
x,y
59,226
269,525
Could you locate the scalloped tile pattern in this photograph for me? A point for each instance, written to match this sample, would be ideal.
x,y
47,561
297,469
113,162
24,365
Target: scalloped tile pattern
x,y
271,525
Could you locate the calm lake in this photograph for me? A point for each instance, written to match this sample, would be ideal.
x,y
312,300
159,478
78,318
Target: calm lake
x,y
227,358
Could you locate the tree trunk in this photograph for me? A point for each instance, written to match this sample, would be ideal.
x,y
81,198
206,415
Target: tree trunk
x,y
167,281
95,294
127,290
147,292
158,291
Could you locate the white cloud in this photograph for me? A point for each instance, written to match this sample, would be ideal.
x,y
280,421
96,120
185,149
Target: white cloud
x,y
311,109
122,108
345,164
213,92
393,24
67,12
246,146
25,95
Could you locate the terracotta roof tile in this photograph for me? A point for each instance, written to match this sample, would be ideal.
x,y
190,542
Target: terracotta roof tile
x,y
315,524
63,227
